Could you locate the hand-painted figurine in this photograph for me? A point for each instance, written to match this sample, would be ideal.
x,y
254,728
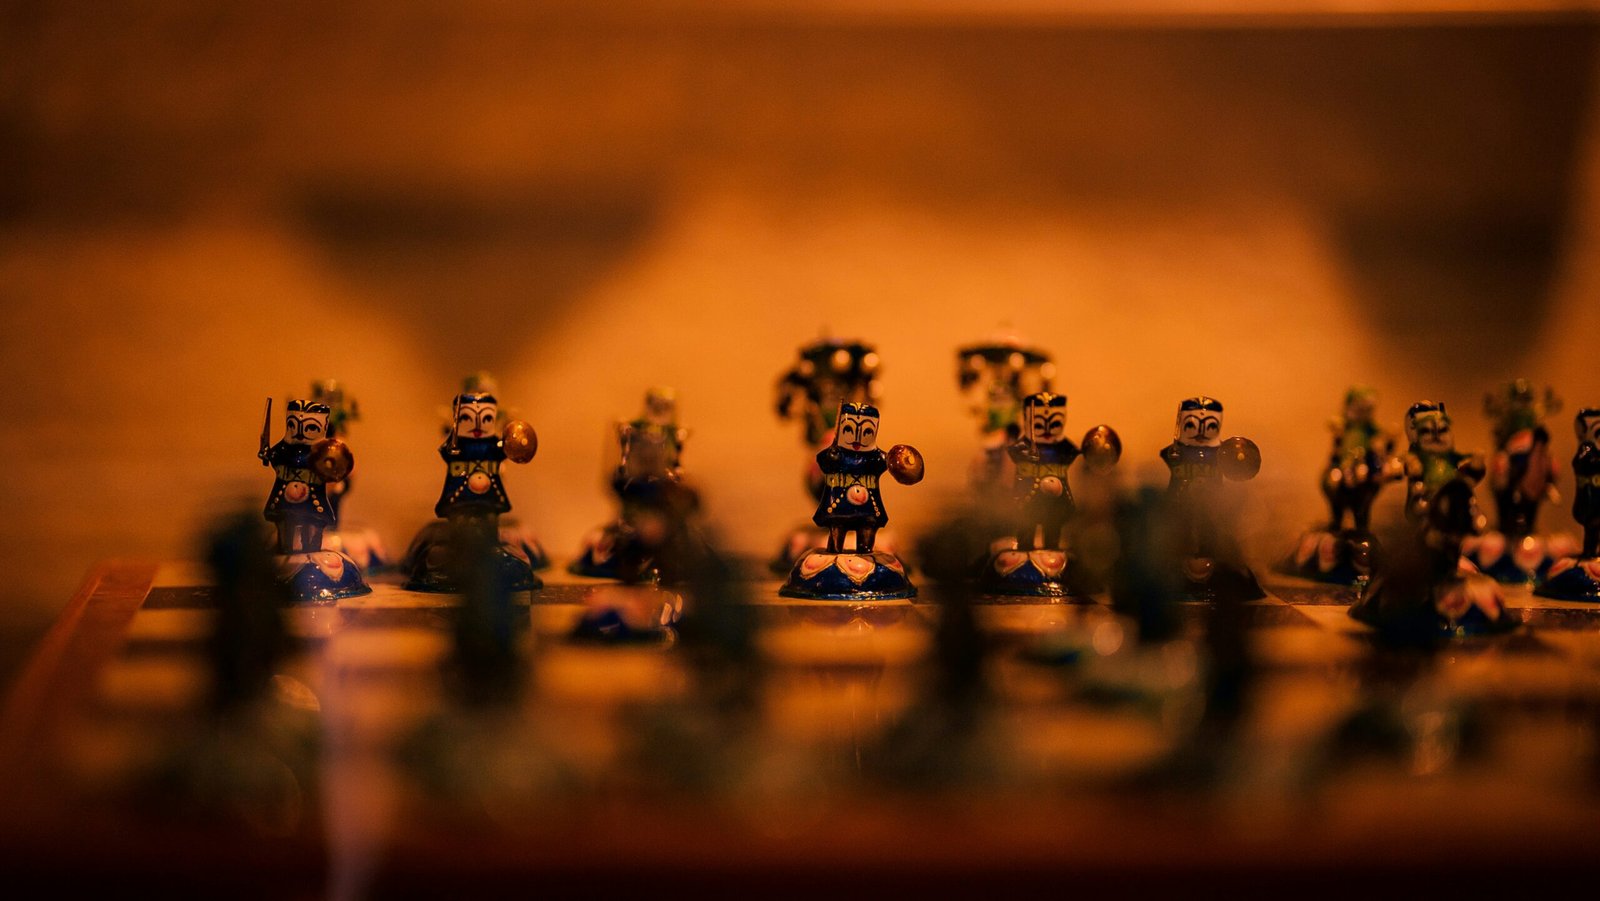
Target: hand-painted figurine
x,y
1577,577
361,543
473,496
303,464
1522,475
1036,563
1426,593
648,476
829,372
995,376
852,505
1432,460
1200,459
1363,459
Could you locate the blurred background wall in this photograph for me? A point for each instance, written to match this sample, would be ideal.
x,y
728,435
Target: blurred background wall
x,y
202,204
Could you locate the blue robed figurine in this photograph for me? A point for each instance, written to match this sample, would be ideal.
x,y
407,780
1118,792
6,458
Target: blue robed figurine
x,y
1036,562
1199,459
303,462
851,503
1577,577
473,496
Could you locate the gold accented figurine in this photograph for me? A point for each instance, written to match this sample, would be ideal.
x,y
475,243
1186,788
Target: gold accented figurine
x,y
1200,460
1522,475
474,497
1362,461
304,462
1577,577
1036,563
852,505
1432,459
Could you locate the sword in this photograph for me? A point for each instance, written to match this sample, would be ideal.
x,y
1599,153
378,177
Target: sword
x,y
455,417
266,433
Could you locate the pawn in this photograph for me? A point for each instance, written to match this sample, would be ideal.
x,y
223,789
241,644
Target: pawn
x,y
304,462
249,638
1036,563
473,498
648,478
1200,460
1521,477
1577,577
851,505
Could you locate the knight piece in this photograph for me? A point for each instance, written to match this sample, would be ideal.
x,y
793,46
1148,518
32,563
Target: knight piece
x,y
852,505
1577,577
1432,460
1363,459
303,463
1200,460
1426,593
1036,563
829,372
647,480
360,542
473,497
1522,475
995,376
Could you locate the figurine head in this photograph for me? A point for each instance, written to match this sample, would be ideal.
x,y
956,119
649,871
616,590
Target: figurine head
x,y
1428,427
1044,418
1587,423
1360,402
477,415
1200,422
857,428
661,406
305,422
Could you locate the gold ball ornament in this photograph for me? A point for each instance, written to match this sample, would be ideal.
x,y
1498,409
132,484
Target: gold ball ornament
x,y
331,460
905,464
520,441
1239,459
1102,448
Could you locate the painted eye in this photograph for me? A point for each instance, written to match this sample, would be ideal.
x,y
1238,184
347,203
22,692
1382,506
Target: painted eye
x,y
488,418
867,432
464,417
312,428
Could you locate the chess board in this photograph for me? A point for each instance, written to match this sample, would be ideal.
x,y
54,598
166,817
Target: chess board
x,y
607,773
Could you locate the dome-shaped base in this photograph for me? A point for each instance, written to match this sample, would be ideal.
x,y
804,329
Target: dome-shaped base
x,y
1209,579
361,544
1517,561
1039,574
1572,579
321,577
1337,558
602,549
1462,606
429,566
820,575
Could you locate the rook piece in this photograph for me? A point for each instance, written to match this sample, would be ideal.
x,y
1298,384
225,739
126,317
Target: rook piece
x,y
304,462
852,505
1577,577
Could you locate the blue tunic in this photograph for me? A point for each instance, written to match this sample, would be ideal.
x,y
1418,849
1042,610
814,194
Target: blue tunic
x,y
291,466
842,469
1586,472
469,457
1194,467
1037,462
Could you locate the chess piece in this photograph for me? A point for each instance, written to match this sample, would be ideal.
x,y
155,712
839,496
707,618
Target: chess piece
x,y
473,497
648,480
359,542
1432,459
248,639
1577,577
1363,459
829,372
486,665
304,462
1036,563
1200,460
1426,593
1522,475
852,505
994,376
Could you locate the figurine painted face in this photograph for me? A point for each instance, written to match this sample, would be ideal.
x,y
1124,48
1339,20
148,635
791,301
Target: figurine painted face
x,y
1588,425
305,422
1200,422
857,428
1045,416
1428,427
1359,404
661,406
477,415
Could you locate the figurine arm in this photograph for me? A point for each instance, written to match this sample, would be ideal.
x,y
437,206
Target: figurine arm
x,y
1472,468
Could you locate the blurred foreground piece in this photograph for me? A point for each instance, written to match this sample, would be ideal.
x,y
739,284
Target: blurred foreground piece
x,y
1199,460
1577,577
